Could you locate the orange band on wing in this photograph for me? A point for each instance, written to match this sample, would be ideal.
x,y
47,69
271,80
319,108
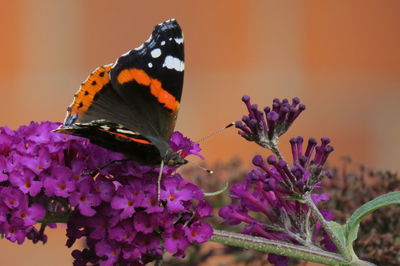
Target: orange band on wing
x,y
142,141
94,83
156,89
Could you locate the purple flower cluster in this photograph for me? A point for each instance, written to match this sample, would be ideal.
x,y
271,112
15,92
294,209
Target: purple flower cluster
x,y
306,172
270,201
265,130
48,178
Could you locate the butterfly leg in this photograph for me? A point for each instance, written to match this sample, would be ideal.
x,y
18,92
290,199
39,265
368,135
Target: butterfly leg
x,y
159,180
112,162
97,170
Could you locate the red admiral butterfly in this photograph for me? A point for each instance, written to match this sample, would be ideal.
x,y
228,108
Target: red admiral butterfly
x,y
131,106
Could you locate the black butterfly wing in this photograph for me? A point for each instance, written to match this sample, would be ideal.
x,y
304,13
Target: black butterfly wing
x,y
136,100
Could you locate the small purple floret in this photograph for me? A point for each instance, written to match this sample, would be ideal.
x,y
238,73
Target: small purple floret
x,y
184,145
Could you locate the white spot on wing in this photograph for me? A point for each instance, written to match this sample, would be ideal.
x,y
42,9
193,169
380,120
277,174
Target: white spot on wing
x,y
155,53
179,40
150,65
115,63
105,127
149,39
139,48
125,54
171,62
128,132
162,43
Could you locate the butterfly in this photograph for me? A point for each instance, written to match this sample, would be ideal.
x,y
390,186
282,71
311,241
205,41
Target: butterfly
x,y
131,106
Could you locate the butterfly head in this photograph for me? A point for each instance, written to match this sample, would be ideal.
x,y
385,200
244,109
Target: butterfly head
x,y
173,159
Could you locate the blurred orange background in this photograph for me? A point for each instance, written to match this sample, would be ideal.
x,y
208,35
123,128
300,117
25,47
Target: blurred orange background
x,y
342,58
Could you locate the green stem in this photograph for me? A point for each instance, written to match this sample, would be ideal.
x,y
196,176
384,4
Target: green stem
x,y
54,219
277,247
308,227
313,254
333,236
275,150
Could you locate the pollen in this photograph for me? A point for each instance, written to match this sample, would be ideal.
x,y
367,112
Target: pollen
x,y
28,184
171,197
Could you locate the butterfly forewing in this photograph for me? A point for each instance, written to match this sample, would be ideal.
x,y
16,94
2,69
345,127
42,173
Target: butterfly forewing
x,y
150,77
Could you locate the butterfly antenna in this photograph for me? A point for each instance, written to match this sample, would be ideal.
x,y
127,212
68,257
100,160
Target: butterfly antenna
x,y
205,169
208,136
215,132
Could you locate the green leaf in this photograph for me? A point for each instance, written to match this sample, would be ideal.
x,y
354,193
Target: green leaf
x,y
352,224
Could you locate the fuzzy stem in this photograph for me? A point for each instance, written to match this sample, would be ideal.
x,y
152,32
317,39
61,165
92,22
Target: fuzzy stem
x,y
275,150
335,239
54,219
283,248
277,247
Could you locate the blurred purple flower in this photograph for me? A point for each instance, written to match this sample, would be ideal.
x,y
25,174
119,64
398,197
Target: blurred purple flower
x,y
30,215
178,142
278,260
195,232
13,198
126,201
177,192
105,249
60,182
26,182
14,230
85,198
175,240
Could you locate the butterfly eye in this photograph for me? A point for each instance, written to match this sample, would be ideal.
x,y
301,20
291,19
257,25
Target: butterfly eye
x,y
171,163
173,159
